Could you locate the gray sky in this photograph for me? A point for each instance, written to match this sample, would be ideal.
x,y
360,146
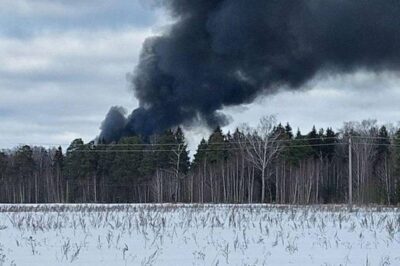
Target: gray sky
x,y
64,63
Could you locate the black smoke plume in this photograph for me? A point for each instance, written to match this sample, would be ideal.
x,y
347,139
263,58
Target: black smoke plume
x,y
226,52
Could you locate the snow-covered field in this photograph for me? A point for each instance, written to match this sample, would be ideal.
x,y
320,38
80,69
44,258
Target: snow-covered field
x,y
182,235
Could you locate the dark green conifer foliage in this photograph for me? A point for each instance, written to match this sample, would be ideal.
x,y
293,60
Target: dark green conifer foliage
x,y
315,139
288,131
217,151
74,158
3,165
329,141
164,150
127,161
24,163
383,142
200,154
126,167
299,149
58,159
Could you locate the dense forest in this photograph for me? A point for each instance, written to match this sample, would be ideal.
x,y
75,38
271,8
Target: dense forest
x,y
270,163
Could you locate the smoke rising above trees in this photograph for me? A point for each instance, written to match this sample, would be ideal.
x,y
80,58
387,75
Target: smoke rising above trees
x,y
228,52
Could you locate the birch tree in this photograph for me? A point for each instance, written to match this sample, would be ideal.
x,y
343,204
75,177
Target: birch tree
x,y
262,145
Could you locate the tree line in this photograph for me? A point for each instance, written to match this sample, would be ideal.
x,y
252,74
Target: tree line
x,y
269,163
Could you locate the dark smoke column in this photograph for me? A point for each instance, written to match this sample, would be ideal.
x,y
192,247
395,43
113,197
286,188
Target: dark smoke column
x,y
227,52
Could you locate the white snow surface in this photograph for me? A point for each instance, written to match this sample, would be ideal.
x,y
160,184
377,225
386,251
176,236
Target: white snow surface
x,y
194,234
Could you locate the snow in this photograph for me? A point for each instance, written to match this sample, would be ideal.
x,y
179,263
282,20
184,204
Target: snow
x,y
191,234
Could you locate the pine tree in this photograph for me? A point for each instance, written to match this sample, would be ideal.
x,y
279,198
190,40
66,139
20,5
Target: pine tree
x,y
383,142
126,168
168,144
3,165
329,140
24,163
200,154
288,131
127,160
299,149
73,168
57,170
74,158
217,147
315,139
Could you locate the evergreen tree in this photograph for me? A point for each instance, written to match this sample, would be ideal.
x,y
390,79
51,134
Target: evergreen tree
x,y
315,139
73,159
200,154
149,163
165,150
126,168
288,131
24,163
329,140
74,171
299,149
58,161
281,131
3,165
127,160
217,147
383,142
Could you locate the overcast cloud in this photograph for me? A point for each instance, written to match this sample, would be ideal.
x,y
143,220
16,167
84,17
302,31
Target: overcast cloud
x,y
64,63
